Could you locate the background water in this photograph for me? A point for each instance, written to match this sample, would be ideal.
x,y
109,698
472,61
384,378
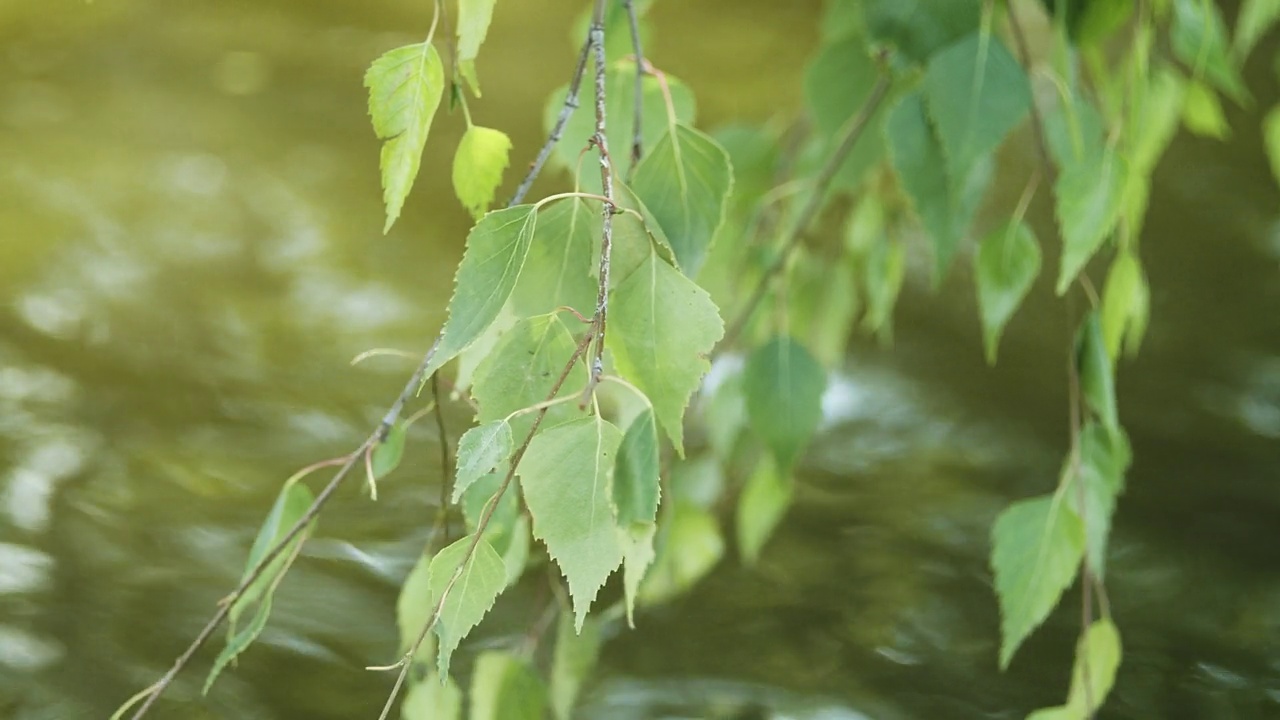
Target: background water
x,y
189,257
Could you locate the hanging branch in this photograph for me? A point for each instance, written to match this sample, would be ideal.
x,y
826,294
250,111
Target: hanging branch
x,y
855,128
637,136
601,141
446,462
566,110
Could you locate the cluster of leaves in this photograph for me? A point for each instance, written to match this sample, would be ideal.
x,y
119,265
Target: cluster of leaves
x,y
620,461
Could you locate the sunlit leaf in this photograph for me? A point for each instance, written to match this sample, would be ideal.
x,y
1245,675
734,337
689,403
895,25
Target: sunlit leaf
x,y
480,450
976,93
764,502
495,254
1005,267
690,545
1199,39
638,554
572,660
1097,659
1202,112
635,479
503,687
919,28
473,24
477,167
1255,19
1096,379
430,699
685,181
565,475
558,270
1037,546
661,328
845,64
1157,122
405,86
783,385
523,368
1089,195
1103,459
1125,305
481,577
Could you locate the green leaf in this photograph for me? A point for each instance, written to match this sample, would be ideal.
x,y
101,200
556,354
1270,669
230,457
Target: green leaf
x,y
1037,546
574,656
822,302
495,254
1202,113
505,688
1271,138
473,24
637,555
1089,194
784,384
725,415
690,545
1255,19
1125,303
1097,658
387,453
662,326
565,475
1199,39
976,93
945,207
481,578
405,86
480,450
558,270
1094,366
685,182
430,699
1158,103
414,608
508,529
291,505
635,478
477,167
919,28
882,273
521,371
763,504
845,64
1005,267
1104,458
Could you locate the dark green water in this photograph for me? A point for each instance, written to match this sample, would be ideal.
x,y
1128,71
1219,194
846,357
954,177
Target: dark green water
x,y
189,257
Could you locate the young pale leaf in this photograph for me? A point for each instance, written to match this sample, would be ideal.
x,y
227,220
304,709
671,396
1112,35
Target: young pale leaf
x,y
662,326
1199,39
238,642
387,454
521,371
558,271
477,167
491,264
920,28
405,86
473,25
882,273
784,385
1202,112
430,699
976,93
1037,546
1255,19
846,64
1097,658
574,656
1125,304
1271,138
762,506
481,577
691,545
1104,457
414,608
480,450
637,555
1089,194
503,687
635,477
1094,366
685,181
565,475
1005,267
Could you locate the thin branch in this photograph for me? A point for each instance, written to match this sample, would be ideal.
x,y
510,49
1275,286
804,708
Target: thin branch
x,y
854,130
566,110
601,141
637,135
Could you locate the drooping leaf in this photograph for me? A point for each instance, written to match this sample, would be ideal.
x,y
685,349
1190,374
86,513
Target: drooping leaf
x,y
558,270
634,238
565,475
473,24
976,93
1202,112
481,578
1255,19
764,502
1271,138
822,302
1125,304
685,181
508,529
690,545
845,64
1005,267
783,385
503,687
1157,122
635,478
1089,195
919,28
1199,39
521,371
1096,380
883,270
477,167
725,414
387,453
430,699
414,608
572,660
1104,458
1037,546
638,554
480,450
477,352
291,506
661,328
1097,659
495,254
405,86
